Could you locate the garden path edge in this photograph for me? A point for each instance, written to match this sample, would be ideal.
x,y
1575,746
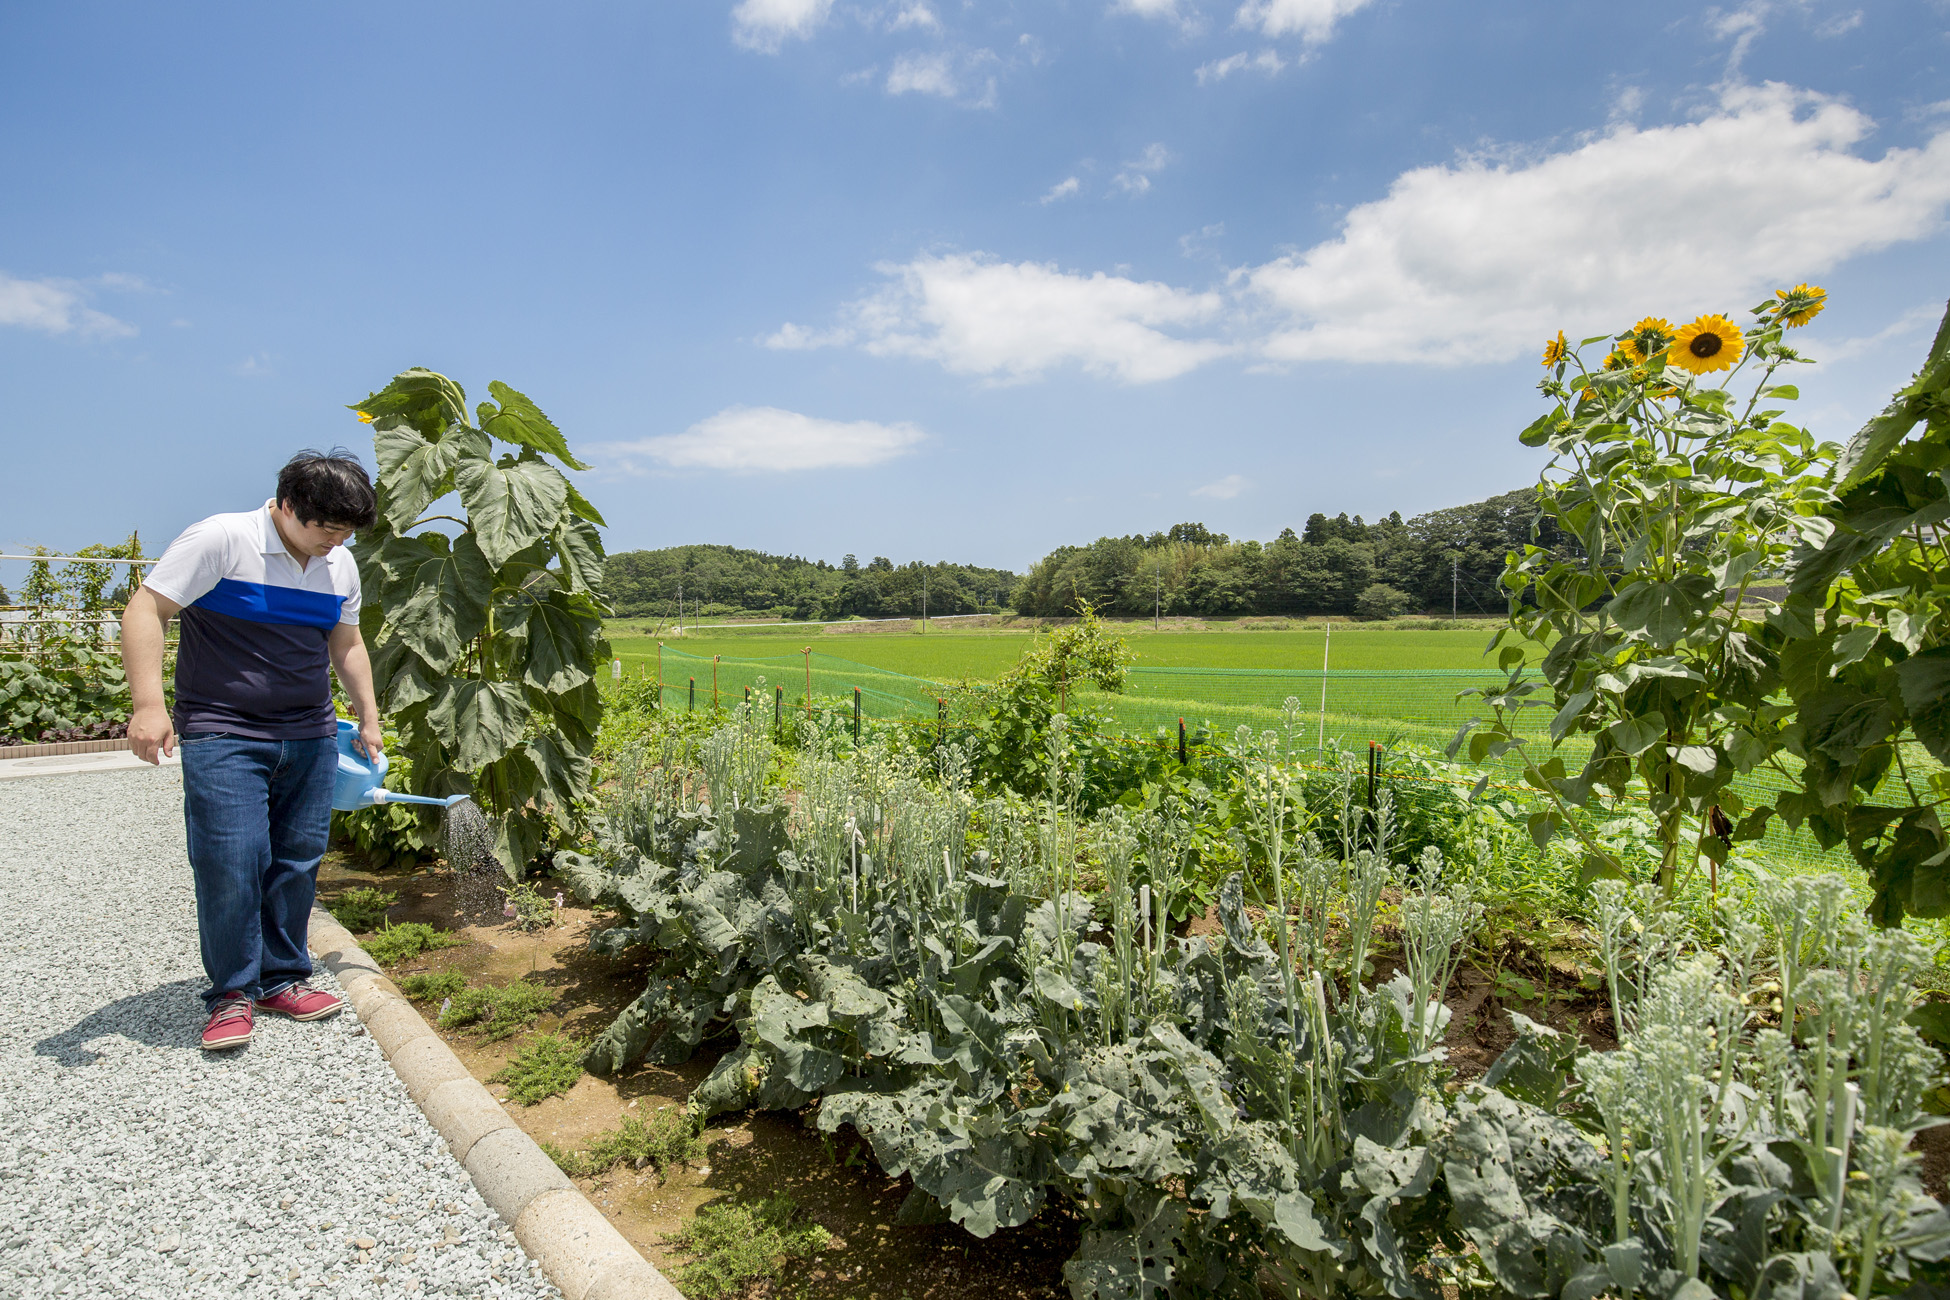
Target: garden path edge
x,y
581,1251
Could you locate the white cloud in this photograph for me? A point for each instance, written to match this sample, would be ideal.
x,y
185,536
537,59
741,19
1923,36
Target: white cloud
x,y
1147,8
764,25
1312,21
754,439
55,306
914,15
1063,189
958,75
1136,176
1743,26
1839,25
923,74
1266,61
1224,489
1479,260
254,365
1015,320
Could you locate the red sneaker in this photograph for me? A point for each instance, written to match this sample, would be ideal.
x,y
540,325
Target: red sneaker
x,y
230,1023
301,1002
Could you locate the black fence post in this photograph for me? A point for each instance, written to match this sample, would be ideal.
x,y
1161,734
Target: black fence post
x,y
1374,770
941,720
748,697
778,712
693,695
856,715
1181,742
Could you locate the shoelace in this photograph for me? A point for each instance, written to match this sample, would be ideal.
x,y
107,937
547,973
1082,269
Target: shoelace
x,y
232,1009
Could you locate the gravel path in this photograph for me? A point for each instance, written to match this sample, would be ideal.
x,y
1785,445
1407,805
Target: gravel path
x,y
132,1163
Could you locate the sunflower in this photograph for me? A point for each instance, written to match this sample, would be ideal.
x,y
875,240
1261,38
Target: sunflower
x,y
1618,360
1710,343
1647,339
1801,304
1556,350
364,418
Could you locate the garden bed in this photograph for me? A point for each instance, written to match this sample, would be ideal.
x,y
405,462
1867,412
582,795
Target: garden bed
x,y
1540,971
746,1157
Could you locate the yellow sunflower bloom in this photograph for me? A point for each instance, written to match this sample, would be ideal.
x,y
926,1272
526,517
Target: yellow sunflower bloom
x,y
1647,339
1618,360
364,418
1801,304
1710,343
1556,350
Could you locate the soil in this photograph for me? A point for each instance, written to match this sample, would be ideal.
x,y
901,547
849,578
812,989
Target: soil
x,y
1520,967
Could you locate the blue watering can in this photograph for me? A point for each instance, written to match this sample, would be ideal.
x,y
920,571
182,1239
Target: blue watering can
x,y
361,782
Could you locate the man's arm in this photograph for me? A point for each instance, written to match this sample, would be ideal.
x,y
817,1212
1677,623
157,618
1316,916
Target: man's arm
x,y
355,673
145,625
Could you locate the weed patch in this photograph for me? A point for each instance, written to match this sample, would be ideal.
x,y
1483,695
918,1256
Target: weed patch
x,y
549,1065
407,940
669,1139
360,910
734,1245
497,1011
428,985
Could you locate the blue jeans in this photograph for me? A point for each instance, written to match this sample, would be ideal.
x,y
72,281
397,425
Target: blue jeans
x,y
258,813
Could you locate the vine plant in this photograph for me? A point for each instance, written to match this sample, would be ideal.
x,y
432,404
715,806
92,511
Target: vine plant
x,y
487,633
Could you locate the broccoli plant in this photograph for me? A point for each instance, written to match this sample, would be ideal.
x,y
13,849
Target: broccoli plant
x,y
487,630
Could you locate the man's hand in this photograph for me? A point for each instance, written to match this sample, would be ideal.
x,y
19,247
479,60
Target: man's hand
x,y
151,734
371,741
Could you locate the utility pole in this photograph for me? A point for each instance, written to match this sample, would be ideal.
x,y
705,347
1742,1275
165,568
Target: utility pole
x,y
680,604
924,602
1455,582
1157,597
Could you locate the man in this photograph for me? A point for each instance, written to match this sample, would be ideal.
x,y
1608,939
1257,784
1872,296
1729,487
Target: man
x,y
267,598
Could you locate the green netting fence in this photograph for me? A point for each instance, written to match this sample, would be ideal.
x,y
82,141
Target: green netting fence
x,y
1335,710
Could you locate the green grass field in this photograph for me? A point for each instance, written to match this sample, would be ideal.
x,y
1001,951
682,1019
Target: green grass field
x,y
949,656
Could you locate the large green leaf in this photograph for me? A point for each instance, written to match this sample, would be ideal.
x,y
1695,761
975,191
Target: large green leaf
x,y
478,721
558,646
1661,612
521,422
425,399
580,548
511,506
447,605
1924,680
564,774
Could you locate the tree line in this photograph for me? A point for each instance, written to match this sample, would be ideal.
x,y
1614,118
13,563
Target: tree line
x,y
718,580
1334,566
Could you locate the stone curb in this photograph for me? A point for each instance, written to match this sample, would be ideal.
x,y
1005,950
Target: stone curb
x,y
580,1250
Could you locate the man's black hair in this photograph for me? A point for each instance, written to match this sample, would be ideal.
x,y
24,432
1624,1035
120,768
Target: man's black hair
x,y
328,488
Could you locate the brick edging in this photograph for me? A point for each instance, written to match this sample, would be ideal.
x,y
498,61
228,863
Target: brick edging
x,y
60,747
580,1250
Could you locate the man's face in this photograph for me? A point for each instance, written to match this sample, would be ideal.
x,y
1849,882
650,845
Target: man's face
x,y
316,539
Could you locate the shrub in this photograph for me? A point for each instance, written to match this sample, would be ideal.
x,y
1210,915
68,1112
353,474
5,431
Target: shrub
x,y
497,1011
403,942
660,1143
1381,601
428,985
362,909
549,1065
735,1245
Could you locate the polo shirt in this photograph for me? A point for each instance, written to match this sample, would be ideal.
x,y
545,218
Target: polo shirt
x,y
252,657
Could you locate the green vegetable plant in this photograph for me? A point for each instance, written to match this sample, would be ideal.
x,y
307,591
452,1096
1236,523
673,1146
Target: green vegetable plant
x,y
361,909
548,1066
486,626
497,1011
1655,645
393,944
735,1244
429,985
661,1143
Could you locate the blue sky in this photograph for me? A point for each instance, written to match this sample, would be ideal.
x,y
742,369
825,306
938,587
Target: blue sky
x,y
941,279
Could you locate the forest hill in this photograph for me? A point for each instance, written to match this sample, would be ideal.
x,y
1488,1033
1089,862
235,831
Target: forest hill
x,y
1335,566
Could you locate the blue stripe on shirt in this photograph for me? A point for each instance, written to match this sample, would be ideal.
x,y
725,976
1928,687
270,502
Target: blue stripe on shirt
x,y
259,602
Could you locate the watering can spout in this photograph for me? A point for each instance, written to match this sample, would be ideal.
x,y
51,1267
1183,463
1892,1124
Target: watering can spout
x,y
361,781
